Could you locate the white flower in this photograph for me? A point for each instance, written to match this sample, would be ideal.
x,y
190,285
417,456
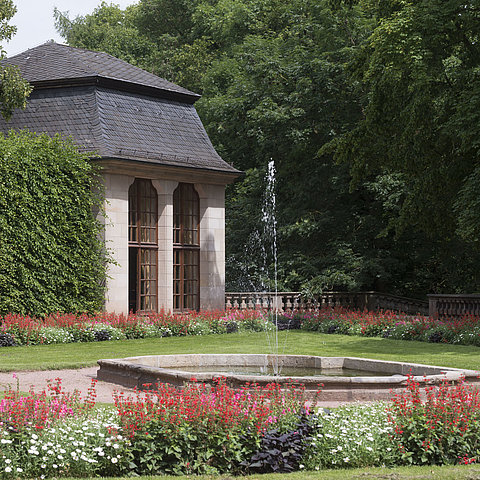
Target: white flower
x,y
114,460
8,469
346,459
19,469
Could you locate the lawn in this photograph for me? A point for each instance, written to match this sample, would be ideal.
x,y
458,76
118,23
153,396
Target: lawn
x,y
78,355
461,472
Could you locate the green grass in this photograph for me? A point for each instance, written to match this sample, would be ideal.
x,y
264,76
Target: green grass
x,y
460,472
77,355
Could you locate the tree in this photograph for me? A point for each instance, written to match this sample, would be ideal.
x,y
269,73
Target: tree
x,y
421,116
14,90
303,82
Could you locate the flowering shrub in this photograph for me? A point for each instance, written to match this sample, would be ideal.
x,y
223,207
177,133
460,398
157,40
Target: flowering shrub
x,y
203,428
64,328
77,446
351,436
442,429
41,410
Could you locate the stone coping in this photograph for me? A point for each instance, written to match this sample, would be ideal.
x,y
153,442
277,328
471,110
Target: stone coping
x,y
151,369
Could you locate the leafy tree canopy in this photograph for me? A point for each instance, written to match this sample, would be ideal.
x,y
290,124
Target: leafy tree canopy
x,y
420,67
386,87
14,90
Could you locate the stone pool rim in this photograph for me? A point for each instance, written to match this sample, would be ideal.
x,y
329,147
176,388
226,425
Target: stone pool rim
x,y
137,371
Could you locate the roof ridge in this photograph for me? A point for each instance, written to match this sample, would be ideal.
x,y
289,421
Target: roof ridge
x,y
99,131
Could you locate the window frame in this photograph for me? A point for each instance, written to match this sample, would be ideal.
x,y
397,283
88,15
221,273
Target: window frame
x,y
183,248
143,187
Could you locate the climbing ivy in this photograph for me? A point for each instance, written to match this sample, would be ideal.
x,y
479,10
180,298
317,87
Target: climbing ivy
x,y
52,257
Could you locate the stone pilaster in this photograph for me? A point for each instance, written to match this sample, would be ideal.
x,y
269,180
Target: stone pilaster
x,y
165,189
212,246
116,241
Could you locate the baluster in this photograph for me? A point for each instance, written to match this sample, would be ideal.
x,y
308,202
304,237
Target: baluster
x,y
288,303
243,305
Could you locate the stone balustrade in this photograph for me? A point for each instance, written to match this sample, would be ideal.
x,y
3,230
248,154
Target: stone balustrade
x,y
289,301
453,305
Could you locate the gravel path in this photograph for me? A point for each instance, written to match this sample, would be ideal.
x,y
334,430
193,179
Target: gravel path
x,y
80,379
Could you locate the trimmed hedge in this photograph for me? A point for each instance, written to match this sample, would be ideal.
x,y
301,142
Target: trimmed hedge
x,y
51,255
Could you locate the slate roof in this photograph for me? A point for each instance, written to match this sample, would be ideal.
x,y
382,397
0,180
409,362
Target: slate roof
x,y
138,117
53,63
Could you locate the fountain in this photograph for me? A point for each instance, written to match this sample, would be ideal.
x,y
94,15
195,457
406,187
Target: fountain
x,y
343,379
371,380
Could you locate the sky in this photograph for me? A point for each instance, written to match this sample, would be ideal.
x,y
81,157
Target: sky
x,y
35,23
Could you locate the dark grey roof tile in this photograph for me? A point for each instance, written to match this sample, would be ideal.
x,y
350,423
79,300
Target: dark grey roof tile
x,y
53,61
124,123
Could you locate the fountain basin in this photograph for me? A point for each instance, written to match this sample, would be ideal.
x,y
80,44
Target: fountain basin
x,y
391,377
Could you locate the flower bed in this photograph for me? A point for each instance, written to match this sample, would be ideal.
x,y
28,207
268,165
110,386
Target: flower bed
x,y
199,429
217,430
16,330
398,326
65,328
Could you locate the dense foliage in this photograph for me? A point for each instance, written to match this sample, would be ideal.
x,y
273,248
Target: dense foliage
x,y
285,80
14,90
51,256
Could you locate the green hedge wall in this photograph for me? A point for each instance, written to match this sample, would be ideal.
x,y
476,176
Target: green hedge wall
x,y
51,255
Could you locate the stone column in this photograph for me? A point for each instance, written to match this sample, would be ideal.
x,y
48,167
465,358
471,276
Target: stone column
x,y
212,246
165,189
116,241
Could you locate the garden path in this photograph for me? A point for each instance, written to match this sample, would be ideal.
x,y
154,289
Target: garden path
x,y
79,379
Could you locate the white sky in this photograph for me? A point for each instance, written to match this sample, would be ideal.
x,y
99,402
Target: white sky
x,y
35,23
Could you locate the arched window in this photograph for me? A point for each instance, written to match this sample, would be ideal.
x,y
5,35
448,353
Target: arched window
x,y
142,246
186,248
